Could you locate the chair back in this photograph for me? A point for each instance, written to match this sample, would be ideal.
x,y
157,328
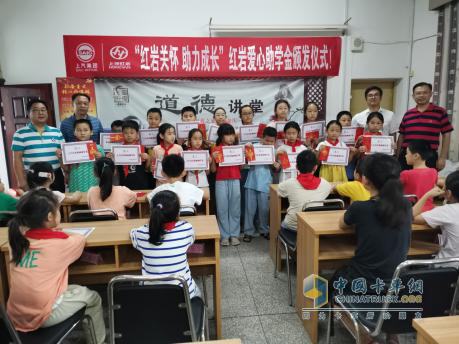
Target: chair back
x,y
86,215
8,333
326,204
188,212
412,198
149,313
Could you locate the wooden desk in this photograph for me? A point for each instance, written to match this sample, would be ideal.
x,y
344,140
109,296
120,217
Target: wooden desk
x,y
277,207
141,201
322,244
441,330
111,240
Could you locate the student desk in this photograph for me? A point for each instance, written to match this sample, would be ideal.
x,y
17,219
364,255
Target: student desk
x,y
141,201
111,240
277,207
322,244
441,330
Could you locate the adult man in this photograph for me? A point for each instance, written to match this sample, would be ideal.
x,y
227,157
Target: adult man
x,y
426,121
373,96
37,142
80,107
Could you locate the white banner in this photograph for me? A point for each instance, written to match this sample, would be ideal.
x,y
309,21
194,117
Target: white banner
x,y
119,98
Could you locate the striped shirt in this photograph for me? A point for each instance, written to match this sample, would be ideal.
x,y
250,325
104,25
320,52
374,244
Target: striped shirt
x,y
427,125
67,128
37,146
170,257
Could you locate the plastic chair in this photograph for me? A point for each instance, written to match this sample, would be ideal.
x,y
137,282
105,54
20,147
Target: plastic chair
x,y
49,335
288,237
140,308
90,215
439,298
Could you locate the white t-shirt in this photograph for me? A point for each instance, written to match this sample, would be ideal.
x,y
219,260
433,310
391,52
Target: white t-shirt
x,y
446,217
188,194
390,123
340,144
284,175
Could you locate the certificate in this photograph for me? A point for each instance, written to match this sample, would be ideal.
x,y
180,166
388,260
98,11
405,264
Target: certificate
x,y
107,140
126,155
212,136
334,156
78,152
233,156
280,127
196,160
183,128
313,130
158,171
292,160
148,137
378,144
264,155
349,135
248,133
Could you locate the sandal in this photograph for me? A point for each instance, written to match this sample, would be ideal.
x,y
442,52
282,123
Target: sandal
x,y
247,238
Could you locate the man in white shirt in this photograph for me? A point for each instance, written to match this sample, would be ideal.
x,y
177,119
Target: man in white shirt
x,y
373,96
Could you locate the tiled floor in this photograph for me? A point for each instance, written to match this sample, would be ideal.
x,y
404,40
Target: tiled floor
x,y
255,304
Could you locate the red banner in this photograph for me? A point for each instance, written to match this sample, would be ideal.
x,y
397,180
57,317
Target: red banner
x,y
201,57
66,87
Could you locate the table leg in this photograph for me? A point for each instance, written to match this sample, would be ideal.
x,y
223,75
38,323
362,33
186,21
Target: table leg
x,y
140,210
274,222
307,264
207,207
217,291
65,213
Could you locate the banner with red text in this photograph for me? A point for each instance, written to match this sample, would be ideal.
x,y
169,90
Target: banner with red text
x,y
66,87
201,57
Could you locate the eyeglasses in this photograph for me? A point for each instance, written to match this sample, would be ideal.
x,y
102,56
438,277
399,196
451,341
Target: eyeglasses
x,y
39,110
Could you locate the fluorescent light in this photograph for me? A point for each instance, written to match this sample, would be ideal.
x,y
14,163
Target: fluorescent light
x,y
284,30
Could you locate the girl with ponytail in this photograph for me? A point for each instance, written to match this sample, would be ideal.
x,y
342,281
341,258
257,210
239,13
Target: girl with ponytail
x,y
165,240
106,195
41,254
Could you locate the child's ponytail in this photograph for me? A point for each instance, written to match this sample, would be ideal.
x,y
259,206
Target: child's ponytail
x,y
165,207
18,242
383,172
39,174
104,169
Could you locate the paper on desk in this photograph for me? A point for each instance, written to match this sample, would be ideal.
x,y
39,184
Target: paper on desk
x,y
83,231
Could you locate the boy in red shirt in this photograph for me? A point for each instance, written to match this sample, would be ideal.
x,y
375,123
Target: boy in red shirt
x,y
421,178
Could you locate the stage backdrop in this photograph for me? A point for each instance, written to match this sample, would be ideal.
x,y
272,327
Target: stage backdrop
x,y
117,99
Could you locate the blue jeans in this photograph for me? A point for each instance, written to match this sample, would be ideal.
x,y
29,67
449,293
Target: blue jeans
x,y
228,198
256,200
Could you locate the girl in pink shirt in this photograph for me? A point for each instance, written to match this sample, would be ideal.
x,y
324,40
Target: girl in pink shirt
x,y
106,195
41,254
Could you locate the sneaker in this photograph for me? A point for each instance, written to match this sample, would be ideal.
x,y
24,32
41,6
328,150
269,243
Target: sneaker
x,y
225,242
235,241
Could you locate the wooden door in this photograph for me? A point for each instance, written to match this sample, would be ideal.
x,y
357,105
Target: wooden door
x,y
14,99
358,101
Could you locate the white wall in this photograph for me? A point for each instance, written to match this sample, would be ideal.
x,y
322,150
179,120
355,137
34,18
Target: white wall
x,y
31,49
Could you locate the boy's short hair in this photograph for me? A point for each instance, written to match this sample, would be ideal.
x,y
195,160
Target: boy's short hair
x,y
422,148
129,124
173,165
305,161
269,131
292,124
452,184
117,123
188,109
81,121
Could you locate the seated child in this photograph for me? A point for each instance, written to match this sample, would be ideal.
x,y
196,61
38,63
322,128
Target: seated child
x,y
445,216
39,292
7,202
355,190
41,175
256,190
421,178
174,171
306,187
106,195
165,241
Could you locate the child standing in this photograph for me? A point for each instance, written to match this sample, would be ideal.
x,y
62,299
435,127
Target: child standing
x,y
188,114
196,142
256,187
135,177
154,118
292,145
166,146
444,216
375,123
165,241
281,111
106,195
333,173
421,178
219,116
345,119
39,292
311,112
227,190
81,176
117,126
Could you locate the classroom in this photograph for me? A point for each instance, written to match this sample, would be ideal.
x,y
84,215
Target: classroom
x,y
255,172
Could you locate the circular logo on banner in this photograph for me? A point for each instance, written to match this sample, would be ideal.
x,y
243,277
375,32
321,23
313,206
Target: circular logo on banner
x,y
85,52
118,52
